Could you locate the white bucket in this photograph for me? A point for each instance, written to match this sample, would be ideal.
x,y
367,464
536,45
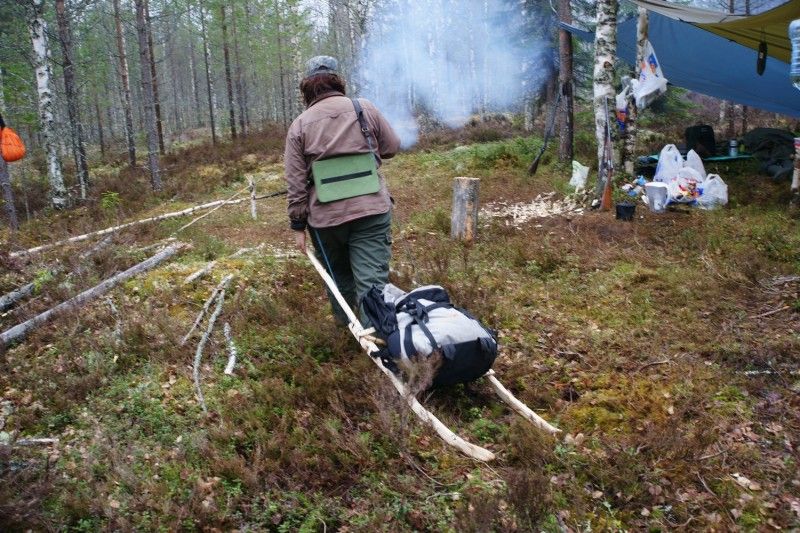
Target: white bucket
x,y
656,196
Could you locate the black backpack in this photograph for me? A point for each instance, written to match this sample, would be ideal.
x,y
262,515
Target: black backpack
x,y
423,322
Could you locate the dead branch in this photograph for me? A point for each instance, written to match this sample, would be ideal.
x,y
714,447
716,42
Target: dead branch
x,y
226,329
252,187
19,331
200,273
204,215
7,301
202,344
773,312
207,305
525,411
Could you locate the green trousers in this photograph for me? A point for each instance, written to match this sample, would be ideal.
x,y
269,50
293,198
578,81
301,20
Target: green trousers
x,y
357,254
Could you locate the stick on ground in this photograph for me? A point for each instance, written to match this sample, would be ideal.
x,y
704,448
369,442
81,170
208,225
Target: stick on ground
x,y
19,331
198,356
207,305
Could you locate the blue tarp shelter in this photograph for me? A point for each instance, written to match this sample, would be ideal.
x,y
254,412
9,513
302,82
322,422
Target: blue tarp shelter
x,y
702,61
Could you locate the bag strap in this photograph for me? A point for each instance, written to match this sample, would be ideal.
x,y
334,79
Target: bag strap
x,y
362,122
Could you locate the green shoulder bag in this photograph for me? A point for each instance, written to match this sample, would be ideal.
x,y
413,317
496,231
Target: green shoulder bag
x,y
347,176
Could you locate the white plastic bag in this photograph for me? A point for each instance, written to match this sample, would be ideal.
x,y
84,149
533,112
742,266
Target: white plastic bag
x,y
670,161
579,175
651,83
715,192
685,187
693,161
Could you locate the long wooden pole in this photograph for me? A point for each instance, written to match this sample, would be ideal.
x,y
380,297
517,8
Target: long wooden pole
x,y
19,331
471,450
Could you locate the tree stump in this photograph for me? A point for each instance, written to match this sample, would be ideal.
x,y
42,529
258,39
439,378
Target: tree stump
x,y
464,218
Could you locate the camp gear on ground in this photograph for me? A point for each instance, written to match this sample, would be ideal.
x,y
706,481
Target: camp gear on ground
x,y
701,139
580,173
774,148
625,211
11,146
657,196
357,255
714,192
321,65
324,130
670,161
423,322
348,176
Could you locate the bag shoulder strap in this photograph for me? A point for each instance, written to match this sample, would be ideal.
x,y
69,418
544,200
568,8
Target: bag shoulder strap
x,y
362,122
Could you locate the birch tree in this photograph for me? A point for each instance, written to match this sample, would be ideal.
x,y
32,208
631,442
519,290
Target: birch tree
x,y
37,26
71,92
631,128
605,47
147,96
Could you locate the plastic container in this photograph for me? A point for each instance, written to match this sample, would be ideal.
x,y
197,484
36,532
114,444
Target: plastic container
x,y
794,66
625,211
733,148
656,196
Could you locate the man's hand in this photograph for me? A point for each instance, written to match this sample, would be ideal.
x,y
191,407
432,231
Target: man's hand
x,y
300,240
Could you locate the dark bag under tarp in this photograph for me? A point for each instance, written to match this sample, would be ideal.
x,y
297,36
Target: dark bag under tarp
x,y
423,322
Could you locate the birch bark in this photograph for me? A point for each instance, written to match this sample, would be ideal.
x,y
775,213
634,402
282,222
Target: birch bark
x,y
37,26
605,46
71,92
148,99
631,127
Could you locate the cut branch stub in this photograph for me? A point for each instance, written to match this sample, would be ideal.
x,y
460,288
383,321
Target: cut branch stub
x,y
464,218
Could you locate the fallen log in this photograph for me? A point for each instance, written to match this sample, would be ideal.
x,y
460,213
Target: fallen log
x,y
19,331
467,448
165,216
202,344
7,301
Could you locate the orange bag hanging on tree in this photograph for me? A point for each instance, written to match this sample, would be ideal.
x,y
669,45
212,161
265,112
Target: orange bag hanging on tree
x,y
11,146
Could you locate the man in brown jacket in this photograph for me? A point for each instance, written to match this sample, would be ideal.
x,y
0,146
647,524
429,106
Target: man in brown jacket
x,y
352,236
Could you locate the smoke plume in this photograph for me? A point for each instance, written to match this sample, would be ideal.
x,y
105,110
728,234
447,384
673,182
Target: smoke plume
x,y
449,59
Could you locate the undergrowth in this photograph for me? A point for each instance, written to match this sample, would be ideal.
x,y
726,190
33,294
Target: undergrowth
x,y
665,349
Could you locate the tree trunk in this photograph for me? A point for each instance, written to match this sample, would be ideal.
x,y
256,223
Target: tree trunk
x,y
198,121
228,79
41,56
154,77
100,132
126,86
241,92
73,99
281,74
207,58
631,128
605,44
148,99
5,176
566,86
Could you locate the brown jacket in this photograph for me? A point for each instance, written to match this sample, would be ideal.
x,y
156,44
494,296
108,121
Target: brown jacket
x,y
329,127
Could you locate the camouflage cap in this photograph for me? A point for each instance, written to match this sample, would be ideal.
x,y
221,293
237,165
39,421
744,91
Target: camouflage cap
x,y
321,65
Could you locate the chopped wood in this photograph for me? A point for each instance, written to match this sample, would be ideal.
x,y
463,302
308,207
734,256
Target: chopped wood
x,y
226,329
207,305
198,356
7,301
469,449
19,331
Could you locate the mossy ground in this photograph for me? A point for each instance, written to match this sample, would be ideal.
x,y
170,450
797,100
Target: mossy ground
x,y
653,345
